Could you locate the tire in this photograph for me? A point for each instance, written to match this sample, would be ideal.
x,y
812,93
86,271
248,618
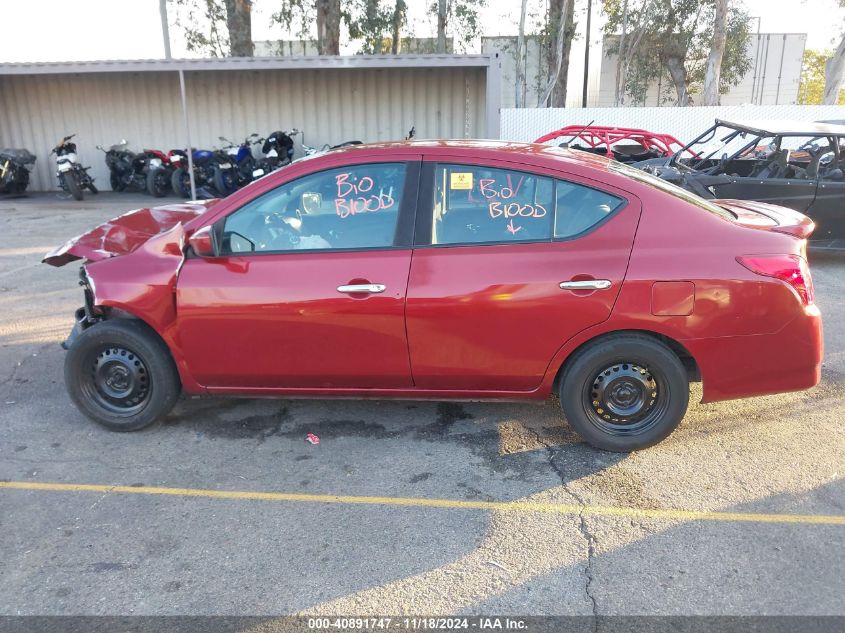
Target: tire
x,y
120,374
114,181
72,185
624,393
158,183
177,182
93,189
224,181
245,168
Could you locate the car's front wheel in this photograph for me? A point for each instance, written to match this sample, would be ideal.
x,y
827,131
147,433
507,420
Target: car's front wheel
x,y
121,375
624,392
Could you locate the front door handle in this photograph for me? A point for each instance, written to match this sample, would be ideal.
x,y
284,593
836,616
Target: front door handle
x,y
368,288
586,284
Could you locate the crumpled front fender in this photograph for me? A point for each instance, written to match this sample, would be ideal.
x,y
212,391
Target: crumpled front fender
x,y
143,284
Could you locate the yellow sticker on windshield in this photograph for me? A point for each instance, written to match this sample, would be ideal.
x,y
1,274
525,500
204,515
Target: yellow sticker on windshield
x,y
460,180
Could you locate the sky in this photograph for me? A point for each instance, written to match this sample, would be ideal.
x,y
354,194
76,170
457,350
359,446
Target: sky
x,y
58,30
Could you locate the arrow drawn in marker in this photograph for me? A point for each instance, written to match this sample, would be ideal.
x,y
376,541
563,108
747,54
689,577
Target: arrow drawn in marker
x,y
511,228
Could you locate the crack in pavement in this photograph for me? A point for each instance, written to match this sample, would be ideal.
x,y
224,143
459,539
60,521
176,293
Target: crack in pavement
x,y
19,364
589,539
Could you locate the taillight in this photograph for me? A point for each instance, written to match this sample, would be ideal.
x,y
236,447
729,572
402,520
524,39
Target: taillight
x,y
789,268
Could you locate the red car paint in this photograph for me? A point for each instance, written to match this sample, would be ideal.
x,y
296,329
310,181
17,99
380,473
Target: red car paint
x,y
473,322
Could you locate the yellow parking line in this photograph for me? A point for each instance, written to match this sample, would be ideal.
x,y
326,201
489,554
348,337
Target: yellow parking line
x,y
418,502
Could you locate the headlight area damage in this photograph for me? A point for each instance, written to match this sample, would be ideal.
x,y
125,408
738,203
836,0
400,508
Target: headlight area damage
x,y
130,269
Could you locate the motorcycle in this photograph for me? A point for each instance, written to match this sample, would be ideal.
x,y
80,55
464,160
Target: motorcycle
x,y
278,152
242,156
213,173
159,172
129,171
14,170
72,176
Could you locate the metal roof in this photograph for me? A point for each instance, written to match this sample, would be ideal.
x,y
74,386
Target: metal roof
x,y
785,128
250,63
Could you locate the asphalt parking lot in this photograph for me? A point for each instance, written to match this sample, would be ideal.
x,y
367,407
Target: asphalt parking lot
x,y
423,508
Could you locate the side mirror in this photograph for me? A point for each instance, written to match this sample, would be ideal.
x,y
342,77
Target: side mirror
x,y
203,242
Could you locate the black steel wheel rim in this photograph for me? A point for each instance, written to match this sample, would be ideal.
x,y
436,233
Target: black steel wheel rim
x,y
625,398
161,181
117,380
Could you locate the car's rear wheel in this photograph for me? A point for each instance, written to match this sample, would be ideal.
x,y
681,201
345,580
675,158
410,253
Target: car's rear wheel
x,y
121,375
625,392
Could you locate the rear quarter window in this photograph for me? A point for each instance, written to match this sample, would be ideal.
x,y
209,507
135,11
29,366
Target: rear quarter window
x,y
579,208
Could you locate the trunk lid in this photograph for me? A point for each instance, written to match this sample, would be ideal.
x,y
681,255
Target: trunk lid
x,y
125,233
769,217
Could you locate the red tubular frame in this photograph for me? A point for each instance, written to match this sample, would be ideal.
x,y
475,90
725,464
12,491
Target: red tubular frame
x,y
596,135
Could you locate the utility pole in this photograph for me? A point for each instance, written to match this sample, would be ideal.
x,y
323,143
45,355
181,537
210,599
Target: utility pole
x,y
165,29
587,54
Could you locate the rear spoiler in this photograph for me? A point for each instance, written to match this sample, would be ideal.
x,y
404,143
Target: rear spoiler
x,y
769,217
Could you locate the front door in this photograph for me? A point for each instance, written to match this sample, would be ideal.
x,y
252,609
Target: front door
x,y
309,291
486,307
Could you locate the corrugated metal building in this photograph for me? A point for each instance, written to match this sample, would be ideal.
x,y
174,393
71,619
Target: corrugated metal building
x,y
332,99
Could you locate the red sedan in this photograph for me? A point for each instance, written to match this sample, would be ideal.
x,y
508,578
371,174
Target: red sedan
x,y
448,269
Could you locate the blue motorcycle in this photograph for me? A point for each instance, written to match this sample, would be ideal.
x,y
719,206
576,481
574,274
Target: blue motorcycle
x,y
213,173
241,154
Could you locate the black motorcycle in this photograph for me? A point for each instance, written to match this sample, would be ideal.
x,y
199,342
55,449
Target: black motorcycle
x,y
14,170
73,177
131,171
278,152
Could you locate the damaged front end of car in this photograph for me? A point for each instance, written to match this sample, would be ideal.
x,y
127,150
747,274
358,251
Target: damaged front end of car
x,y
129,272
87,315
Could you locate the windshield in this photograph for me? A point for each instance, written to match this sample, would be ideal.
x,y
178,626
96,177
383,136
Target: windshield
x,y
668,187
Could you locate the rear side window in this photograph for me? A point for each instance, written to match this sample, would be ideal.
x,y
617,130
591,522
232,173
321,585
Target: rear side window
x,y
579,208
475,204
486,205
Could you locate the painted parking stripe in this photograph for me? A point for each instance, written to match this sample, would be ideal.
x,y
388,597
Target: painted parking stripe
x,y
421,502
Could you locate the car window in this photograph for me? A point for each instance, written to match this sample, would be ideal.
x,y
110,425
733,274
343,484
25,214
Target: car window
x,y
349,207
474,205
578,208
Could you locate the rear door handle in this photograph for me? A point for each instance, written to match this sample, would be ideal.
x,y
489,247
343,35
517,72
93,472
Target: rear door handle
x,y
586,284
368,288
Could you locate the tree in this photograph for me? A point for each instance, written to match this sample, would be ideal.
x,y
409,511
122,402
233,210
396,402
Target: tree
x,y
462,15
811,89
239,23
369,22
397,22
298,16
377,23
211,14
328,27
672,38
441,25
519,79
559,31
717,52
228,27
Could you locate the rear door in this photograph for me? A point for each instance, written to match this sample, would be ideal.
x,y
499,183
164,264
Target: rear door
x,y
508,265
